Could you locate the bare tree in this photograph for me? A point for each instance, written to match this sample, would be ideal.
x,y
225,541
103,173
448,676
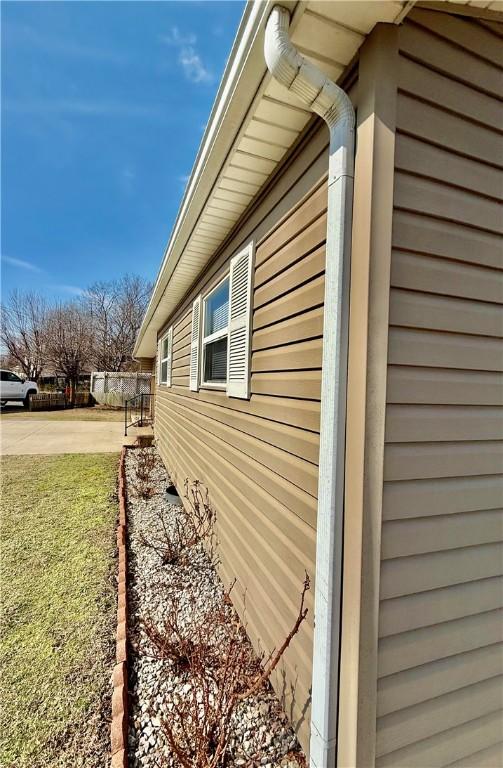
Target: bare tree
x,y
7,362
69,340
99,330
23,331
116,309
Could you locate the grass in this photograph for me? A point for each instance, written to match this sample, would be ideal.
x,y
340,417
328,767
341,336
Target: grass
x,y
70,414
58,606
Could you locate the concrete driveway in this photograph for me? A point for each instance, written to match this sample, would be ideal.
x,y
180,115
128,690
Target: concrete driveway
x,y
28,436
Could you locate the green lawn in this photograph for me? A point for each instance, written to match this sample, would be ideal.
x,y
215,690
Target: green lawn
x,y
58,609
69,414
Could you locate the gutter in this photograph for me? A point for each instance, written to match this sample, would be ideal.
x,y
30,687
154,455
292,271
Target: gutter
x,y
326,99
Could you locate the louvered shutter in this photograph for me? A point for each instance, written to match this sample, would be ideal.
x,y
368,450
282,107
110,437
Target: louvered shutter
x,y
238,356
170,356
195,344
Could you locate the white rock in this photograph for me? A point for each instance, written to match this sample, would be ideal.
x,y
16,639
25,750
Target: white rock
x,y
259,722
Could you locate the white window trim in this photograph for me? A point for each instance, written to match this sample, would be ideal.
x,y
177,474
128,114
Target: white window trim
x,y
168,335
223,333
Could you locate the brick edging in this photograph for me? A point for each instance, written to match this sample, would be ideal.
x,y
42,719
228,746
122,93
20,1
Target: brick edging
x,y
119,726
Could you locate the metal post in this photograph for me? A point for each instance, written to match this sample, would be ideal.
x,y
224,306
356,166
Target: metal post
x,y
125,419
141,410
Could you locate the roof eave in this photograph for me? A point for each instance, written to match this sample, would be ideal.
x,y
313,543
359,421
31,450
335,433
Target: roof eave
x,y
243,74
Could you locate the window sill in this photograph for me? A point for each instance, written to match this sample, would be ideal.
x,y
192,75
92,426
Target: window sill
x,y
209,385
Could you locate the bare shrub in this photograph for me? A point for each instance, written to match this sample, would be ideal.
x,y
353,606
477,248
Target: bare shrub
x,y
192,524
145,465
169,642
220,677
201,516
168,544
209,652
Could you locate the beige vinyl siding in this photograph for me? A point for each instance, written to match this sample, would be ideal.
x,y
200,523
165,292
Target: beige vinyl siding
x,y
146,364
259,457
440,661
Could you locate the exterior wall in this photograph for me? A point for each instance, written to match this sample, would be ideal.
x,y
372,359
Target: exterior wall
x,y
259,458
145,364
439,694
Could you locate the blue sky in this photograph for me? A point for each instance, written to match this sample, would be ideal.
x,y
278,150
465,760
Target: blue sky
x,y
103,108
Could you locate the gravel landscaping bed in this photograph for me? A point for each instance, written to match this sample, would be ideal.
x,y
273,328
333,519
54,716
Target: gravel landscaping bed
x,y
260,733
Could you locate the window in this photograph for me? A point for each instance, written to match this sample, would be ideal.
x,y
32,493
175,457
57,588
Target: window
x,y
165,345
215,331
8,376
220,344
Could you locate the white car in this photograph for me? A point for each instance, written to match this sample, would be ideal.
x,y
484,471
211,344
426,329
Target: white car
x,y
12,387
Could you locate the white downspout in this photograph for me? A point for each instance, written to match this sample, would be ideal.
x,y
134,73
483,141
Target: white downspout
x,y
329,101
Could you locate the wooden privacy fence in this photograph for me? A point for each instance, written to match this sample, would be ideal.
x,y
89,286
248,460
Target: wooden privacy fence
x,y
81,399
111,388
46,400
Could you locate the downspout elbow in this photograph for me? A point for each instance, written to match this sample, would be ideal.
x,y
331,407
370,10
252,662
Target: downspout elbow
x,y
301,77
